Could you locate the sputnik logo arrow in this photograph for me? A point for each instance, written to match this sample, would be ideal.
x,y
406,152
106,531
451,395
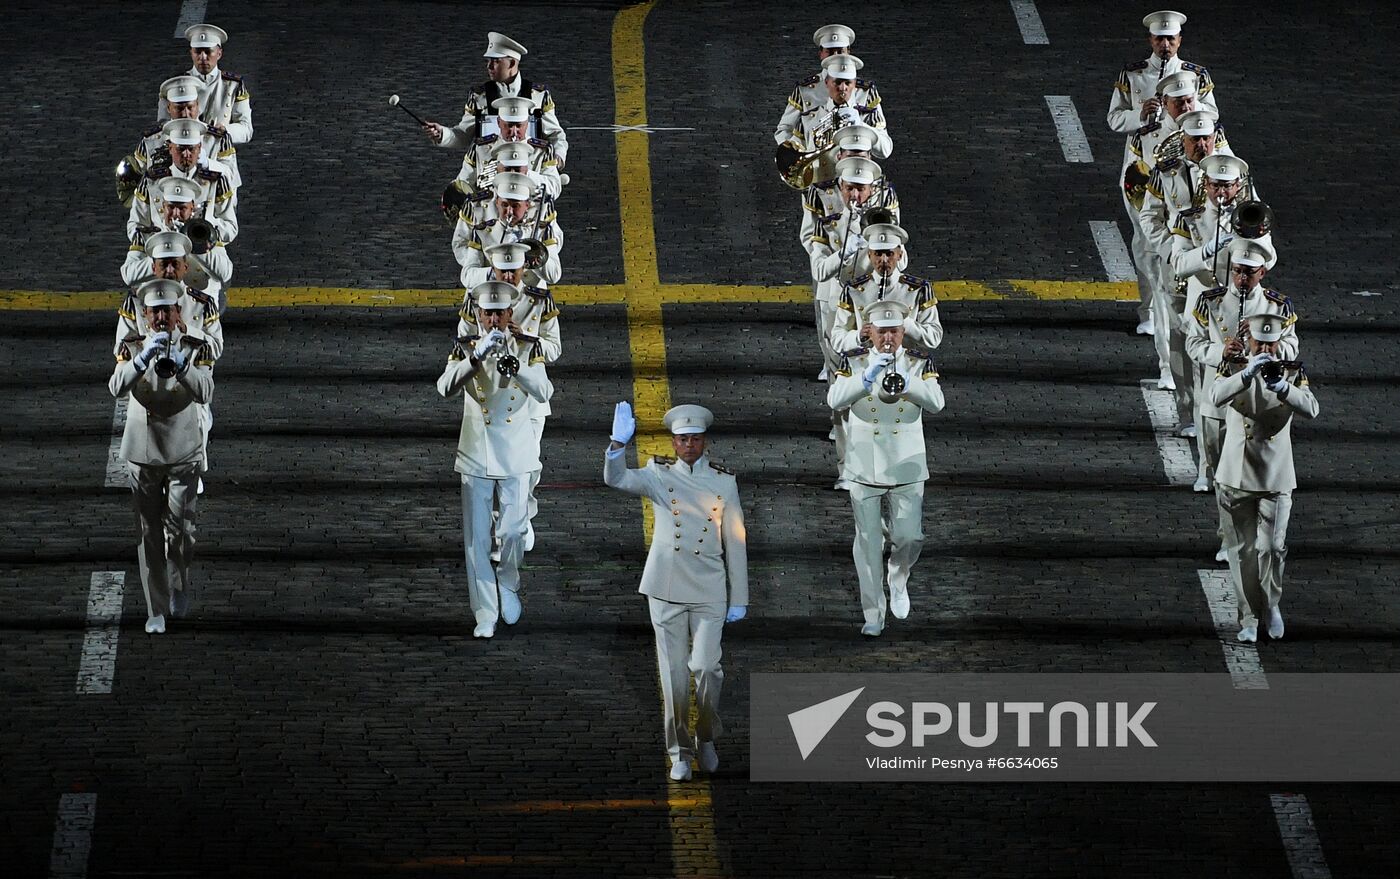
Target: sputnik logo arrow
x,y
811,724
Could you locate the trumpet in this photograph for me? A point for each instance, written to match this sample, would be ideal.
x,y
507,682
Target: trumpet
x,y
1271,371
508,365
200,232
165,364
1252,219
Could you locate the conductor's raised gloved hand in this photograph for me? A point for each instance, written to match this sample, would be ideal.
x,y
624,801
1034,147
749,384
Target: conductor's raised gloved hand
x,y
1256,363
624,424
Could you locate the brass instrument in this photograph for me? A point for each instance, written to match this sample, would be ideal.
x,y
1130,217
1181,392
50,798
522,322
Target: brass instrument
x,y
165,364
892,383
826,129
797,170
454,199
508,365
1135,178
537,253
128,176
200,232
1252,219
1271,371
1172,147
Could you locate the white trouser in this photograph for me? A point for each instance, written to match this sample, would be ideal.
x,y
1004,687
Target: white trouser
x,y
1256,541
1168,318
164,496
906,533
478,495
537,422
1141,262
688,643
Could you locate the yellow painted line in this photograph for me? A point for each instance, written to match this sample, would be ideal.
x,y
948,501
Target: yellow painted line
x,y
646,295
533,806
690,813
1108,290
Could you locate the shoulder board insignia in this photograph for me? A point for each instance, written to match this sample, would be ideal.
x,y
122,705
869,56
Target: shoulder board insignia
x,y
862,280
1192,212
524,337
537,292
232,77
539,87
1194,68
912,280
864,84
156,172
208,174
855,352
1136,65
721,468
662,460
1148,128
1170,165
538,143
483,195
1213,293
1278,297
153,130
201,297
827,184
483,141
919,353
830,218
811,80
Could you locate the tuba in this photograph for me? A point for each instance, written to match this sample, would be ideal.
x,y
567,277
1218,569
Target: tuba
x,y
1252,219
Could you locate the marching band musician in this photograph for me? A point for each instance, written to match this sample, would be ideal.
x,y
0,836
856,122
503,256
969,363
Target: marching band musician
x,y
885,390
1136,104
1176,184
225,104
816,110
483,159
1178,93
181,97
205,267
215,199
167,256
885,283
500,376
831,39
518,211
685,574
1255,479
823,197
1217,332
167,375
534,314
505,81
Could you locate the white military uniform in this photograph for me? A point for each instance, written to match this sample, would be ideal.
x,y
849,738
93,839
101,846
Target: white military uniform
x,y
544,168
822,204
151,152
215,201
832,269
163,445
1136,83
885,458
1255,482
810,104
479,119
496,452
697,539
472,236
922,328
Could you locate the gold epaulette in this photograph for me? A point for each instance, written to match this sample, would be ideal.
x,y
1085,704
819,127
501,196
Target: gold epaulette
x,y
662,460
721,468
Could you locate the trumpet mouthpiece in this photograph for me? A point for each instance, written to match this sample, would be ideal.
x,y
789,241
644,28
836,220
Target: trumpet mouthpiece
x,y
393,100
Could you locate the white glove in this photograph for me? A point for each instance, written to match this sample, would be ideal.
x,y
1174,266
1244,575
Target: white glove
x,y
154,343
877,363
854,244
1255,364
1279,387
624,425
735,614
1213,246
849,115
489,342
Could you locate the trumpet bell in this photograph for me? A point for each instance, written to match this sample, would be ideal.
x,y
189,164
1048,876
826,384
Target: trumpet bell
x,y
893,384
201,234
1253,219
508,365
536,255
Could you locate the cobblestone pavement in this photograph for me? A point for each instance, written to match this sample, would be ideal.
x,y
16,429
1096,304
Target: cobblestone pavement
x,y
326,710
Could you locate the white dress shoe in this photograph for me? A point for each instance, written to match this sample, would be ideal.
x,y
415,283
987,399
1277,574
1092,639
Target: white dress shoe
x,y
200,490
899,603
510,607
680,771
709,760
1187,430
529,538
1201,483
1275,623
1221,555
1165,382
484,630
1145,328
871,630
1248,635
155,625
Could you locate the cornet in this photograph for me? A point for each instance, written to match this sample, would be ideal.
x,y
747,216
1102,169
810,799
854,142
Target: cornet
x,y
891,383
